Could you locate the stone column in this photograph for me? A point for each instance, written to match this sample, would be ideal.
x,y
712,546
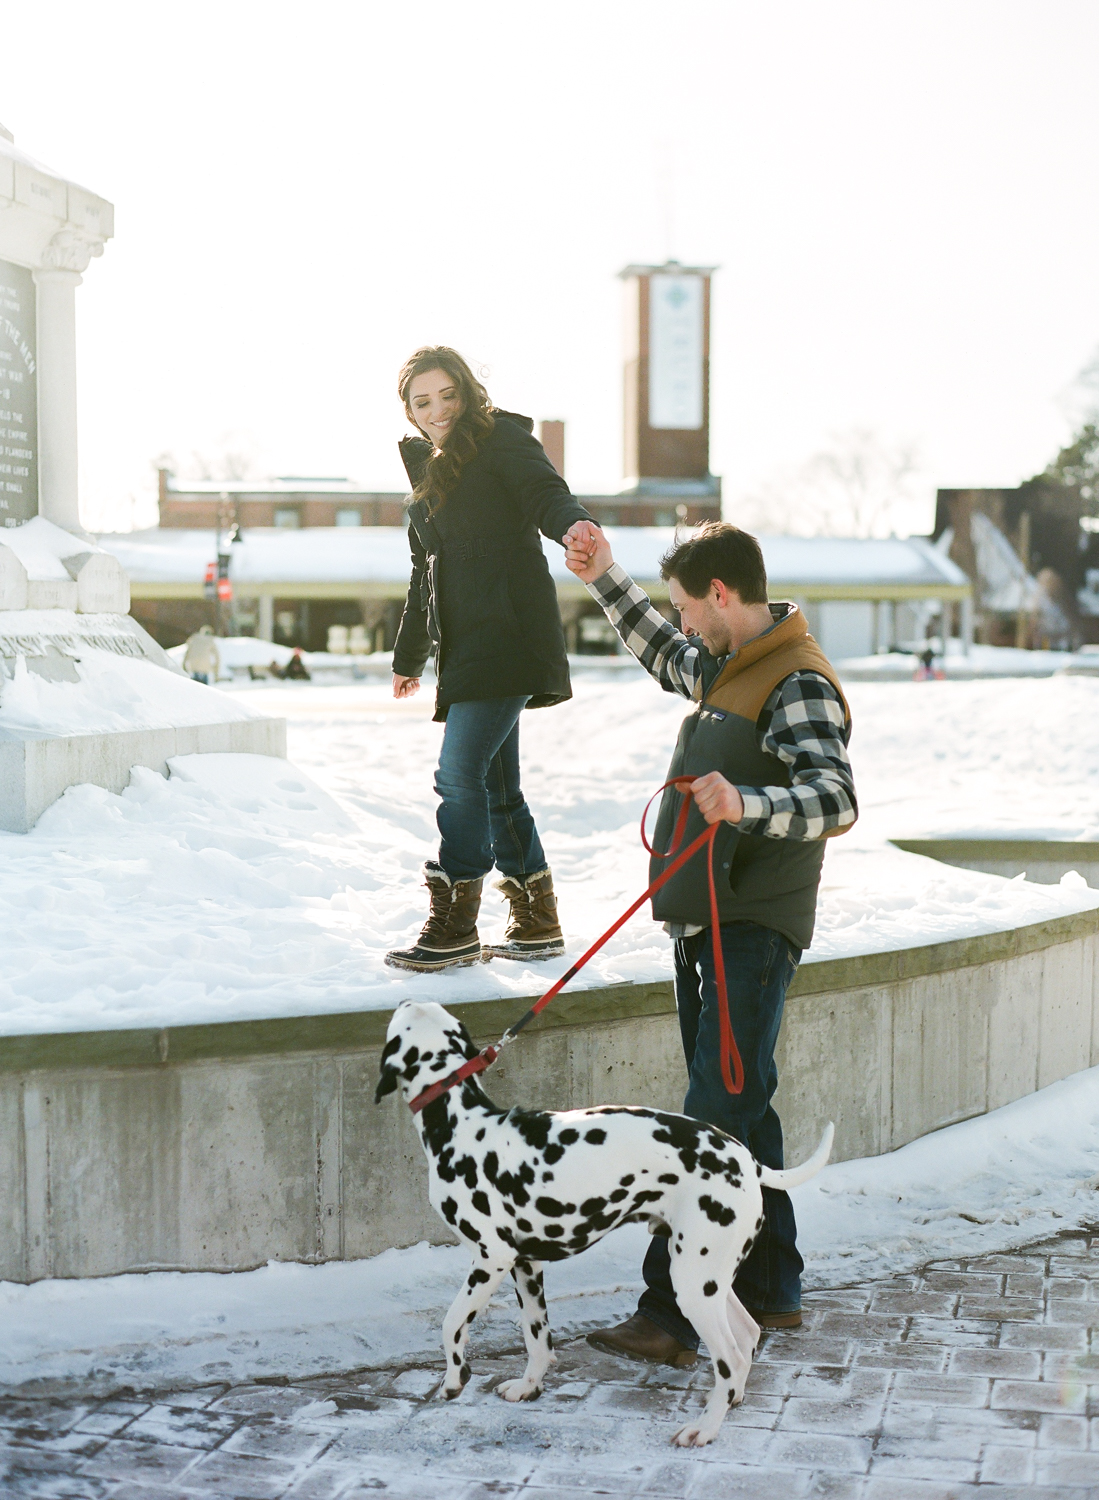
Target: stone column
x,y
66,256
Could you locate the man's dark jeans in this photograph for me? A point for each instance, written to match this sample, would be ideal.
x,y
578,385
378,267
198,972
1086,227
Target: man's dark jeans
x,y
483,818
759,965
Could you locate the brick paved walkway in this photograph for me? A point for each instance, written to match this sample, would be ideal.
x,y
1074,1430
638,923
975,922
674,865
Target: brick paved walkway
x,y
970,1379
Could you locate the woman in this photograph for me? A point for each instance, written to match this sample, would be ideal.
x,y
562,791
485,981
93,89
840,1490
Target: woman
x,y
481,597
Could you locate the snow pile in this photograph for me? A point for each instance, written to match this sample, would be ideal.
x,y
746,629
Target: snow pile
x,y
41,547
1011,1177
246,886
113,693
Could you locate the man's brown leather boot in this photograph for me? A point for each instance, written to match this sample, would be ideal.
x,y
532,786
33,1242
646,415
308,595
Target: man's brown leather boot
x,y
638,1338
449,939
533,931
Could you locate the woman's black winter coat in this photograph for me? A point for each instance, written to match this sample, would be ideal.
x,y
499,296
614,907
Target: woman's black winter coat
x,y
481,595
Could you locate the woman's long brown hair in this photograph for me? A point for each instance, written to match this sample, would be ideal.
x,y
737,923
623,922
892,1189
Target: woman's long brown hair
x,y
475,423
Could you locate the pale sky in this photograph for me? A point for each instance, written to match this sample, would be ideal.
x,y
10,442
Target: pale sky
x,y
902,198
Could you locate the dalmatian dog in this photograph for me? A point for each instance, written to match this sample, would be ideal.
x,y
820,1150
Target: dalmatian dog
x,y
522,1187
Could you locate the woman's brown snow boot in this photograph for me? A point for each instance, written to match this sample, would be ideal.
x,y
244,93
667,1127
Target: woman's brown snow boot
x,y
449,938
533,930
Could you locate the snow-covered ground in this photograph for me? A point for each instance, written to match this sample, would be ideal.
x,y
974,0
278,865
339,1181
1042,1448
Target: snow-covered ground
x,y
1010,1177
247,886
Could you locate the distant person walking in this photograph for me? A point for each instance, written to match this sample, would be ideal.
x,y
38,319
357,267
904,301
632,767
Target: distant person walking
x,y
482,600
201,657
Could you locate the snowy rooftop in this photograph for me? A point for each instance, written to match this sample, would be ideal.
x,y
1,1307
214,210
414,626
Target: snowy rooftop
x,y
380,554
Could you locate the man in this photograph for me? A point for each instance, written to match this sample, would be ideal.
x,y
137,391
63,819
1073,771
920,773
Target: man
x,y
767,746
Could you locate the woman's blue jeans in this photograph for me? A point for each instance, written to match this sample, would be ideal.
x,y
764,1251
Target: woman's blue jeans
x,y
759,965
483,817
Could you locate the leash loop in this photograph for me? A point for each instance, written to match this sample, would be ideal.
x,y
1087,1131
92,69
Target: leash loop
x,y
732,1067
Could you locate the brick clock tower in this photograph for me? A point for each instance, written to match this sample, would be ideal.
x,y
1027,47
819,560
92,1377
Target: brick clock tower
x,y
667,379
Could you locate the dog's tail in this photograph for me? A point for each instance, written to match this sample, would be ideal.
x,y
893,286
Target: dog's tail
x,y
795,1176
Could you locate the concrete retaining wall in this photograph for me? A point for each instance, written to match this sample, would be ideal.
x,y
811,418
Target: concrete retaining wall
x,y
36,768
1042,861
222,1146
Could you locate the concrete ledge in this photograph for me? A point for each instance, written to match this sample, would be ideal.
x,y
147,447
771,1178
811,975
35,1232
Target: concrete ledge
x,y
1043,861
36,768
219,1147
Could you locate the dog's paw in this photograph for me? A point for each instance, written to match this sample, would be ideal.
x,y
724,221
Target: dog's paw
x,y
694,1437
456,1384
518,1390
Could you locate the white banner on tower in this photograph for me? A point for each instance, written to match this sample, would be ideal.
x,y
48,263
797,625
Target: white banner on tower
x,y
675,351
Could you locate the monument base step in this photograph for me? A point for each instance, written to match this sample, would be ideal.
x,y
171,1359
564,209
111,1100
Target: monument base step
x,y
35,768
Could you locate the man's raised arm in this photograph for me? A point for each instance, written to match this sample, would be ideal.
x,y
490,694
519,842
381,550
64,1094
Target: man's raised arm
x,y
665,652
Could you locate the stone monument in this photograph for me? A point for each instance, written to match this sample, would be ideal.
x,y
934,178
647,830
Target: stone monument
x,y
64,601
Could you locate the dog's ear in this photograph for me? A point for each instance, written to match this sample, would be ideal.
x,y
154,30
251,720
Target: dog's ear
x,y
386,1083
387,1080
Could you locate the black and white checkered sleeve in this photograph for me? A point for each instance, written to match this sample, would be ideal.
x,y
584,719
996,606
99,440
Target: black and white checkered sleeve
x,y
665,652
803,724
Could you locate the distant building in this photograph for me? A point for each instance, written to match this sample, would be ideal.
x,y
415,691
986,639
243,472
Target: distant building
x,y
1033,558
859,596
290,502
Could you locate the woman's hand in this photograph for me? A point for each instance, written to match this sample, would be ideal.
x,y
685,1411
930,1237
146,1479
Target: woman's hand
x,y
587,551
404,687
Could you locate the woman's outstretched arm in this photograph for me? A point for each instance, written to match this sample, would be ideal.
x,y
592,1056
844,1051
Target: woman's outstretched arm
x,y
520,460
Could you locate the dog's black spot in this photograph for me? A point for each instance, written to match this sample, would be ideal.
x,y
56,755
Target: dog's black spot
x,y
705,1250
547,1176
718,1212
591,1206
646,1197
467,1231
554,1153
524,1224
458,1336
410,1059
477,1276
533,1126
449,1210
709,1289
627,1180
569,1137
618,1195
481,1134
723,1369
554,1230
511,1185
669,1177
595,1137
480,1203
679,1249
536,1329
457,1358
508,1208
732,1396
551,1209
466,1372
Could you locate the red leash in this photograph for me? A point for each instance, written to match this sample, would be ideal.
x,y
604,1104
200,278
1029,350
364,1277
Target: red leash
x,y
732,1069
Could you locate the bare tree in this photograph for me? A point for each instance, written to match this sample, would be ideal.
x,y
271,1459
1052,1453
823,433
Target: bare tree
x,y
860,486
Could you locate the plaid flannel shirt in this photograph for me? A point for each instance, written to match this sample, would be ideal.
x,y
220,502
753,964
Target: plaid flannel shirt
x,y
802,723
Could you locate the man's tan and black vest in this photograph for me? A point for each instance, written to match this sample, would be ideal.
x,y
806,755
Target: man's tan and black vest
x,y
771,881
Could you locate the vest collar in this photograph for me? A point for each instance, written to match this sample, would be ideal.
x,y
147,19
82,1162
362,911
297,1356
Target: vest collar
x,y
787,627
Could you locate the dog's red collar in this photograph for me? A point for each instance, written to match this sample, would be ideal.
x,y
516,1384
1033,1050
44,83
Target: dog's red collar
x,y
476,1064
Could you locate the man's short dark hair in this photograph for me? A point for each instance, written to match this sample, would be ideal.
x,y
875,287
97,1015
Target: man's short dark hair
x,y
718,550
